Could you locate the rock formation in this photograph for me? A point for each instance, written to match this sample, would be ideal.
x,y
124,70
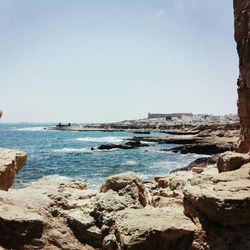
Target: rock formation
x,y
219,205
242,38
61,213
11,161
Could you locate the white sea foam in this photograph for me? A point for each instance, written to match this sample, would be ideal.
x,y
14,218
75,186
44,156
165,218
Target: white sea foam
x,y
109,139
31,129
130,163
73,150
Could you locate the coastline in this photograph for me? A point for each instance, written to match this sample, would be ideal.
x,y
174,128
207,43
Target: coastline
x,y
124,212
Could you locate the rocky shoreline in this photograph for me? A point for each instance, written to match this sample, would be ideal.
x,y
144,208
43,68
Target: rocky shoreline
x,y
178,211
204,206
125,212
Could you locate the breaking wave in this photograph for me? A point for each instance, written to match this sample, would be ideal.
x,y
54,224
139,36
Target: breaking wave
x,y
109,139
73,150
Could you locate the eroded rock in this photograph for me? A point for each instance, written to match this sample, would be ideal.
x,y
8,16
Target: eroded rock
x,y
18,226
224,198
127,183
241,34
11,161
154,228
231,161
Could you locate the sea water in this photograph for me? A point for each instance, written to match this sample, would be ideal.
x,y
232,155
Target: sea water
x,y
68,154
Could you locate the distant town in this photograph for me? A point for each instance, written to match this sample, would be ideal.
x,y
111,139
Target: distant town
x,y
159,119
194,118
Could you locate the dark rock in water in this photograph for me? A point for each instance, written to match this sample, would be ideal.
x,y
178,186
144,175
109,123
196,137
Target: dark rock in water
x,y
142,132
128,145
206,149
178,132
200,162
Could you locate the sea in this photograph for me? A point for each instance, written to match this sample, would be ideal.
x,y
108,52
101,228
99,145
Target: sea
x,y
68,154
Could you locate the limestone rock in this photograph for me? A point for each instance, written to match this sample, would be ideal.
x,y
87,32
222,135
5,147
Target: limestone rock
x,y
232,161
241,34
224,198
119,192
127,182
175,180
112,201
109,242
11,161
18,226
154,228
54,199
84,228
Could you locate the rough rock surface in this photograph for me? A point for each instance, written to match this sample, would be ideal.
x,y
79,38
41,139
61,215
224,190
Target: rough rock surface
x,y
202,148
127,145
11,161
219,205
61,213
154,228
242,28
48,201
202,162
224,197
18,226
231,161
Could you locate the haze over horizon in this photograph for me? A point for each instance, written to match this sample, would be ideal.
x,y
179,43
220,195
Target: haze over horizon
x,y
101,61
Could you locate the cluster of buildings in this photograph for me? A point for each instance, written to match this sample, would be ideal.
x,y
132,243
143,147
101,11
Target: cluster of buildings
x,y
184,118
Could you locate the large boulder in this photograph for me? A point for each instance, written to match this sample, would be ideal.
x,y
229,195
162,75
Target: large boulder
x,y
11,161
231,161
84,228
127,183
154,228
224,198
18,226
56,200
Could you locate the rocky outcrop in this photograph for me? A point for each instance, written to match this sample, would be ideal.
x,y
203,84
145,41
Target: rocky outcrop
x,y
242,38
127,145
154,228
219,205
41,214
18,226
121,214
202,162
201,148
11,161
231,161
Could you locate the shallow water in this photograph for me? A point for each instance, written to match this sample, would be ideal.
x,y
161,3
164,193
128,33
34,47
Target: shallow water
x,y
68,154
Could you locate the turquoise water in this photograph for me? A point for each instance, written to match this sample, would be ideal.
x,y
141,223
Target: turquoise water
x,y
68,154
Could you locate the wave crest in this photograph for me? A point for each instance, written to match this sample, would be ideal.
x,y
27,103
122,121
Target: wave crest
x,y
73,150
110,139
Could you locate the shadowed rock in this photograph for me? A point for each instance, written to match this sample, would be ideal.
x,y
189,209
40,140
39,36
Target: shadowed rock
x,y
206,149
18,226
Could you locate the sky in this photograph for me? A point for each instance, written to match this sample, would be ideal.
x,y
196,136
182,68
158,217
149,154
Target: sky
x,y
111,60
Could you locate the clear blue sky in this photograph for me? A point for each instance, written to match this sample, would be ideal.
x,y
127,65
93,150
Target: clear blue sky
x,y
110,60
